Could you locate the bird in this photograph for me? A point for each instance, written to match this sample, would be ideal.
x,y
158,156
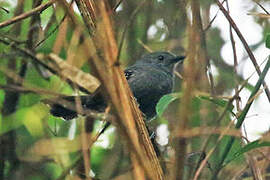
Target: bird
x,y
149,78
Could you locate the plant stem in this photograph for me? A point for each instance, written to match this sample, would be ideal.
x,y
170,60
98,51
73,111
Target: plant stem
x,y
241,119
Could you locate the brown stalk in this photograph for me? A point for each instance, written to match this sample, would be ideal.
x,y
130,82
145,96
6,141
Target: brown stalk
x,y
252,161
224,132
195,78
255,168
22,89
73,47
200,131
132,125
204,162
184,111
86,9
117,91
85,148
260,15
183,114
60,39
235,63
116,86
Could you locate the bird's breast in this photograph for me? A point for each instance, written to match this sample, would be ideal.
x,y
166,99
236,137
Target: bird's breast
x,y
148,85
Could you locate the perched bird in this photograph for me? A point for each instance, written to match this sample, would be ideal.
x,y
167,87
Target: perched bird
x,y
149,78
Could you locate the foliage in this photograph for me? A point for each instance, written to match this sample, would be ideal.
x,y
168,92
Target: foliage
x,y
199,114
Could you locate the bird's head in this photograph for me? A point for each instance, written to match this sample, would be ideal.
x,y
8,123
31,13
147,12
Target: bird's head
x,y
162,58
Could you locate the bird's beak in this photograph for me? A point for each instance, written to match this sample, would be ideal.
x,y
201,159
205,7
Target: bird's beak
x,y
178,59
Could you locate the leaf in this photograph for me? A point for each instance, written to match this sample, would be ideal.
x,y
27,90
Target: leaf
x,y
165,101
58,146
267,41
218,101
31,117
10,122
97,155
250,146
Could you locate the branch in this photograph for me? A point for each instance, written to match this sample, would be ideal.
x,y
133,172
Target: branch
x,y
116,87
240,120
244,42
130,20
85,81
36,10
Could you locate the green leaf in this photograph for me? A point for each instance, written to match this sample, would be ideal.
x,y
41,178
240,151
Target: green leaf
x,y
218,101
10,122
267,41
30,117
250,146
165,101
97,157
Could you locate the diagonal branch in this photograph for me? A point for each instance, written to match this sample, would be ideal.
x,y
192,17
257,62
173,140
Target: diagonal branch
x,y
38,9
84,81
240,121
251,55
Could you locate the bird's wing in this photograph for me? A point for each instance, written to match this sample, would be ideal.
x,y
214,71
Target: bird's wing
x,y
129,73
145,79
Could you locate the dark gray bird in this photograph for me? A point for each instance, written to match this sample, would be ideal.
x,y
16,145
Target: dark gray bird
x,y
149,78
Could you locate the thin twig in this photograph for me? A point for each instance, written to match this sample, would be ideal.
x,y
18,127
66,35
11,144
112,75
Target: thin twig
x,y
132,16
261,15
205,160
226,109
89,83
38,9
219,139
23,89
15,40
262,7
244,42
147,48
4,9
52,32
117,5
55,29
111,77
27,53
240,121
235,62
212,20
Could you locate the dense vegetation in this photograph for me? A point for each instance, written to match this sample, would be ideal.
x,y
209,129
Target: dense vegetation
x,y
55,47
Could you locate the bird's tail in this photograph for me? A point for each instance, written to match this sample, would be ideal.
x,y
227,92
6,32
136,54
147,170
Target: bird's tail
x,y
65,106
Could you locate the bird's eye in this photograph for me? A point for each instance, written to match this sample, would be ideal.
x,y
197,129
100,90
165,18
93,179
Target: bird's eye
x,y
160,57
